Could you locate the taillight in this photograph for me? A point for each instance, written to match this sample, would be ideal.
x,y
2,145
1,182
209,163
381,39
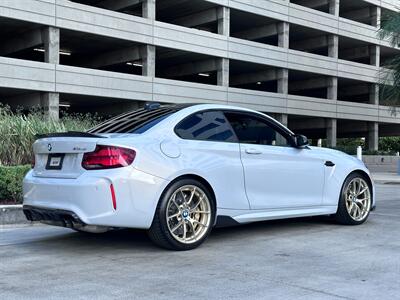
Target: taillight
x,y
108,157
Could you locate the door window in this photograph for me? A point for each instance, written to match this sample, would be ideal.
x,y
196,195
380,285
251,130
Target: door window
x,y
206,126
251,129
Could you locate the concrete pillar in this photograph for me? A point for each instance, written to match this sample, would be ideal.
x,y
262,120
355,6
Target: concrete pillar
x,y
51,40
223,72
374,94
373,136
334,6
333,46
333,51
149,9
332,88
331,133
283,81
50,101
375,55
282,118
148,54
376,15
224,21
283,34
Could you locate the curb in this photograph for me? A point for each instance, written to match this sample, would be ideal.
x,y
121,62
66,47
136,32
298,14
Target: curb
x,y
387,181
12,214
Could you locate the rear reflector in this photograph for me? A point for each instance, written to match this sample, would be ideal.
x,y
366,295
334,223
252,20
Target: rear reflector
x,y
114,200
108,157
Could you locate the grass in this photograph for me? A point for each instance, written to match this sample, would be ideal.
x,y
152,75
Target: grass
x,y
18,131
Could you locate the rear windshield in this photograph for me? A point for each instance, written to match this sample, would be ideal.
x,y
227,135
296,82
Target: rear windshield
x,y
137,121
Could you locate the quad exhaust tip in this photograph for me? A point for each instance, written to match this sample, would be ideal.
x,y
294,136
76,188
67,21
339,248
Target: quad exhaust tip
x,y
62,218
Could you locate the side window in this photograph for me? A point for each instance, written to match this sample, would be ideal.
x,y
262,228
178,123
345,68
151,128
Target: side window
x,y
253,130
206,126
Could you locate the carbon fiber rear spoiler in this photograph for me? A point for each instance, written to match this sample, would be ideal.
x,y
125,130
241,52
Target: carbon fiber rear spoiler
x,y
69,134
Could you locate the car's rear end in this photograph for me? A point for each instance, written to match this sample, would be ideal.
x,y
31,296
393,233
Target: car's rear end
x,y
88,181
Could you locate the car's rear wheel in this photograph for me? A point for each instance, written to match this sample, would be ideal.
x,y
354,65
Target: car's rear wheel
x,y
184,217
355,200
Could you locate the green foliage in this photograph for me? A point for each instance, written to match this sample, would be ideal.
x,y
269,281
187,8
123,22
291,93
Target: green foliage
x,y
387,146
349,145
390,144
11,183
18,131
390,82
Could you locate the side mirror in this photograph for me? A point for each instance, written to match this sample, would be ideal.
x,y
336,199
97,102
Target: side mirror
x,y
301,140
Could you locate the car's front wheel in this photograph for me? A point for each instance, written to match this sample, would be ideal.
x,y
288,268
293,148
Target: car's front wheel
x,y
184,217
355,200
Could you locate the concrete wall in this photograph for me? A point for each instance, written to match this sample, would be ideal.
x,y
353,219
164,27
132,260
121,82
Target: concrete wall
x,y
382,164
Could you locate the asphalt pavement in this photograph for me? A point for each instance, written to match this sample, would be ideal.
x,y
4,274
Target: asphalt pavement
x,y
308,258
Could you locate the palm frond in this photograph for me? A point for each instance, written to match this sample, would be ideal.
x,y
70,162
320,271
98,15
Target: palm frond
x,y
390,27
390,74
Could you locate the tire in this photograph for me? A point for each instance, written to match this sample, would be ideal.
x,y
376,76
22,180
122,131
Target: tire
x,y
352,211
184,216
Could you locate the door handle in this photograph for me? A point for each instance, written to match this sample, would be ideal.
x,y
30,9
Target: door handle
x,y
329,164
253,151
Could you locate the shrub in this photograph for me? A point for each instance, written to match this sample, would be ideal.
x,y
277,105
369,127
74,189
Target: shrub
x,y
18,131
387,146
11,183
391,144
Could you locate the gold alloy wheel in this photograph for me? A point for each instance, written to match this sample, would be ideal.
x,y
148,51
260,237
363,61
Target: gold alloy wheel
x,y
188,214
358,199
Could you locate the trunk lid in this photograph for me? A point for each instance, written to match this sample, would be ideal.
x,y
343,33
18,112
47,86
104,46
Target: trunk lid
x,y
60,155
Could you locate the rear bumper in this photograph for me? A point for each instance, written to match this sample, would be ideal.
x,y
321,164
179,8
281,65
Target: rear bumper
x,y
88,198
64,217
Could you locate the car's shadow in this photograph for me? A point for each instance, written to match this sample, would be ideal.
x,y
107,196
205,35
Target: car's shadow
x,y
137,240
274,227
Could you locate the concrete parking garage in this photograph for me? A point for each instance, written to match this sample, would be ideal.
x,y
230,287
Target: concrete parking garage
x,y
293,59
